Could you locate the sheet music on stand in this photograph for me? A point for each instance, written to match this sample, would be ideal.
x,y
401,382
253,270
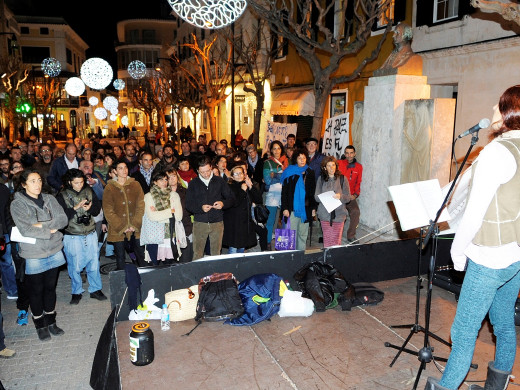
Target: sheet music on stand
x,y
417,203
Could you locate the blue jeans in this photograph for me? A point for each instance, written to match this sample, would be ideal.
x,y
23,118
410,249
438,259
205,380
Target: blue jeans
x,y
82,252
7,270
232,249
484,290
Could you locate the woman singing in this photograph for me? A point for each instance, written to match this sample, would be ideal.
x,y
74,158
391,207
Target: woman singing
x,y
486,245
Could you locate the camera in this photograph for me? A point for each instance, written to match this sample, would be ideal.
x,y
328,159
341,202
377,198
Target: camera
x,y
84,219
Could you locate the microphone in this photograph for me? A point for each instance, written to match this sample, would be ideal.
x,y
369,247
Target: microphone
x,y
483,124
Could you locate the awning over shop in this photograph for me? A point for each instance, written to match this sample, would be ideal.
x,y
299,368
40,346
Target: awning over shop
x,y
295,102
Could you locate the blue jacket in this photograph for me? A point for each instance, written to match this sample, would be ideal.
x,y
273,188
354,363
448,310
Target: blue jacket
x,y
58,169
265,286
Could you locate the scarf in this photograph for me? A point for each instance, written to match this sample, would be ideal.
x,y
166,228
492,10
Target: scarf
x,y
299,189
147,174
103,171
253,163
187,175
161,200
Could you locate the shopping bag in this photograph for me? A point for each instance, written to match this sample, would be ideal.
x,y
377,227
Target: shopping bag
x,y
285,239
182,303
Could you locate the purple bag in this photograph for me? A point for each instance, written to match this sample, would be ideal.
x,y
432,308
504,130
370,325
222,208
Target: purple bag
x,y
285,239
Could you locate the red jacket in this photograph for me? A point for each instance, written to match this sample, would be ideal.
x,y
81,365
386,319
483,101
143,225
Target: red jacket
x,y
354,174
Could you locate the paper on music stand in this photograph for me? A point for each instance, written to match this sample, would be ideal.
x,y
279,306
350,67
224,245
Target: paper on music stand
x,y
328,201
417,203
16,236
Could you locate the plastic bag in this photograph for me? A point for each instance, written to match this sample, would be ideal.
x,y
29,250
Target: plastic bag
x,y
294,305
148,310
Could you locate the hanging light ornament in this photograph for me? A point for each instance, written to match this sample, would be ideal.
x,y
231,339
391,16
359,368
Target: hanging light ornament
x,y
51,67
124,120
93,101
209,13
74,86
110,103
137,69
100,113
114,111
96,73
119,84
113,118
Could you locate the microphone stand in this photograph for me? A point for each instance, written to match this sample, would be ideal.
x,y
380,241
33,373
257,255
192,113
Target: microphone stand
x,y
425,354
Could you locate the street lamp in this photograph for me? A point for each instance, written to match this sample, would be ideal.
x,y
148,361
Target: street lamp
x,y
158,63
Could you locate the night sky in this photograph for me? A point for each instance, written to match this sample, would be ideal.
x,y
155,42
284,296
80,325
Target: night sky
x,y
94,20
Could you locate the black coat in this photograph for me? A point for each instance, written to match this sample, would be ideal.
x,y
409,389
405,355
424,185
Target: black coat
x,y
239,228
288,189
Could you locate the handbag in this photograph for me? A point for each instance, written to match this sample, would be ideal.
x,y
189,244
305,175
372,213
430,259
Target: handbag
x,y
260,213
285,239
182,304
152,232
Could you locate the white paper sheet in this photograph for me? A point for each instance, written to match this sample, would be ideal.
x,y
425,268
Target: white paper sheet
x,y
417,203
16,236
330,203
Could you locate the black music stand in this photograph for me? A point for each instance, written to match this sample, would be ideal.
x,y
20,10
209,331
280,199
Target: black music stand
x,y
425,354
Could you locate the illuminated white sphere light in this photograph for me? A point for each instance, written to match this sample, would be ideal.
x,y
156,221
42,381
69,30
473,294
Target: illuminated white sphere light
x,y
114,111
137,69
51,67
74,86
100,113
124,120
210,14
113,118
93,101
110,103
119,84
96,73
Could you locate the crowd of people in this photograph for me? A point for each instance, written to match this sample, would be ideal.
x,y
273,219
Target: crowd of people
x,y
154,205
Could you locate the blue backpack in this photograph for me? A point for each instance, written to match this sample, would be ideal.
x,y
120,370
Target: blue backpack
x,y
261,299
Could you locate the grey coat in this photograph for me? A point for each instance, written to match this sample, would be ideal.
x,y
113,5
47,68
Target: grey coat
x,y
26,213
332,185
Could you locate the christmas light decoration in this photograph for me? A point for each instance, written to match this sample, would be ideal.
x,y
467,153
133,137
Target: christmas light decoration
x,y
137,69
93,101
110,103
96,73
74,86
114,111
119,84
210,14
124,120
51,67
113,118
100,113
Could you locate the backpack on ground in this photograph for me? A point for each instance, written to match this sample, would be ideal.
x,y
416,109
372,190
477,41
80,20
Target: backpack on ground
x,y
219,299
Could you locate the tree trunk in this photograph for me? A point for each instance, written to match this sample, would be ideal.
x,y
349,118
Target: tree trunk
x,y
258,119
322,89
212,124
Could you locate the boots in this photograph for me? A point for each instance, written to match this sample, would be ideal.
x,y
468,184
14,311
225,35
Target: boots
x,y
41,328
433,384
496,379
50,321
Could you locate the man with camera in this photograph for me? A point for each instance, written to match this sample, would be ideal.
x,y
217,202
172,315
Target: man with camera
x,y
80,241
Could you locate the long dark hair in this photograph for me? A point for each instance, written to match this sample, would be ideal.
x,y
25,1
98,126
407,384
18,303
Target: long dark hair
x,y
509,107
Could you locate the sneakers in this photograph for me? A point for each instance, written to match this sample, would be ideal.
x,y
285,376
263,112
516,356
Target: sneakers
x,y
12,297
98,295
75,299
7,353
23,318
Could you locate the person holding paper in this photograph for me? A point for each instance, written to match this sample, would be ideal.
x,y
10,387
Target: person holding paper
x,y
40,216
298,204
332,181
486,245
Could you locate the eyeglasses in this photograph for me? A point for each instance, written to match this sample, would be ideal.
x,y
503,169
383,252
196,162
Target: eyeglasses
x,y
238,174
